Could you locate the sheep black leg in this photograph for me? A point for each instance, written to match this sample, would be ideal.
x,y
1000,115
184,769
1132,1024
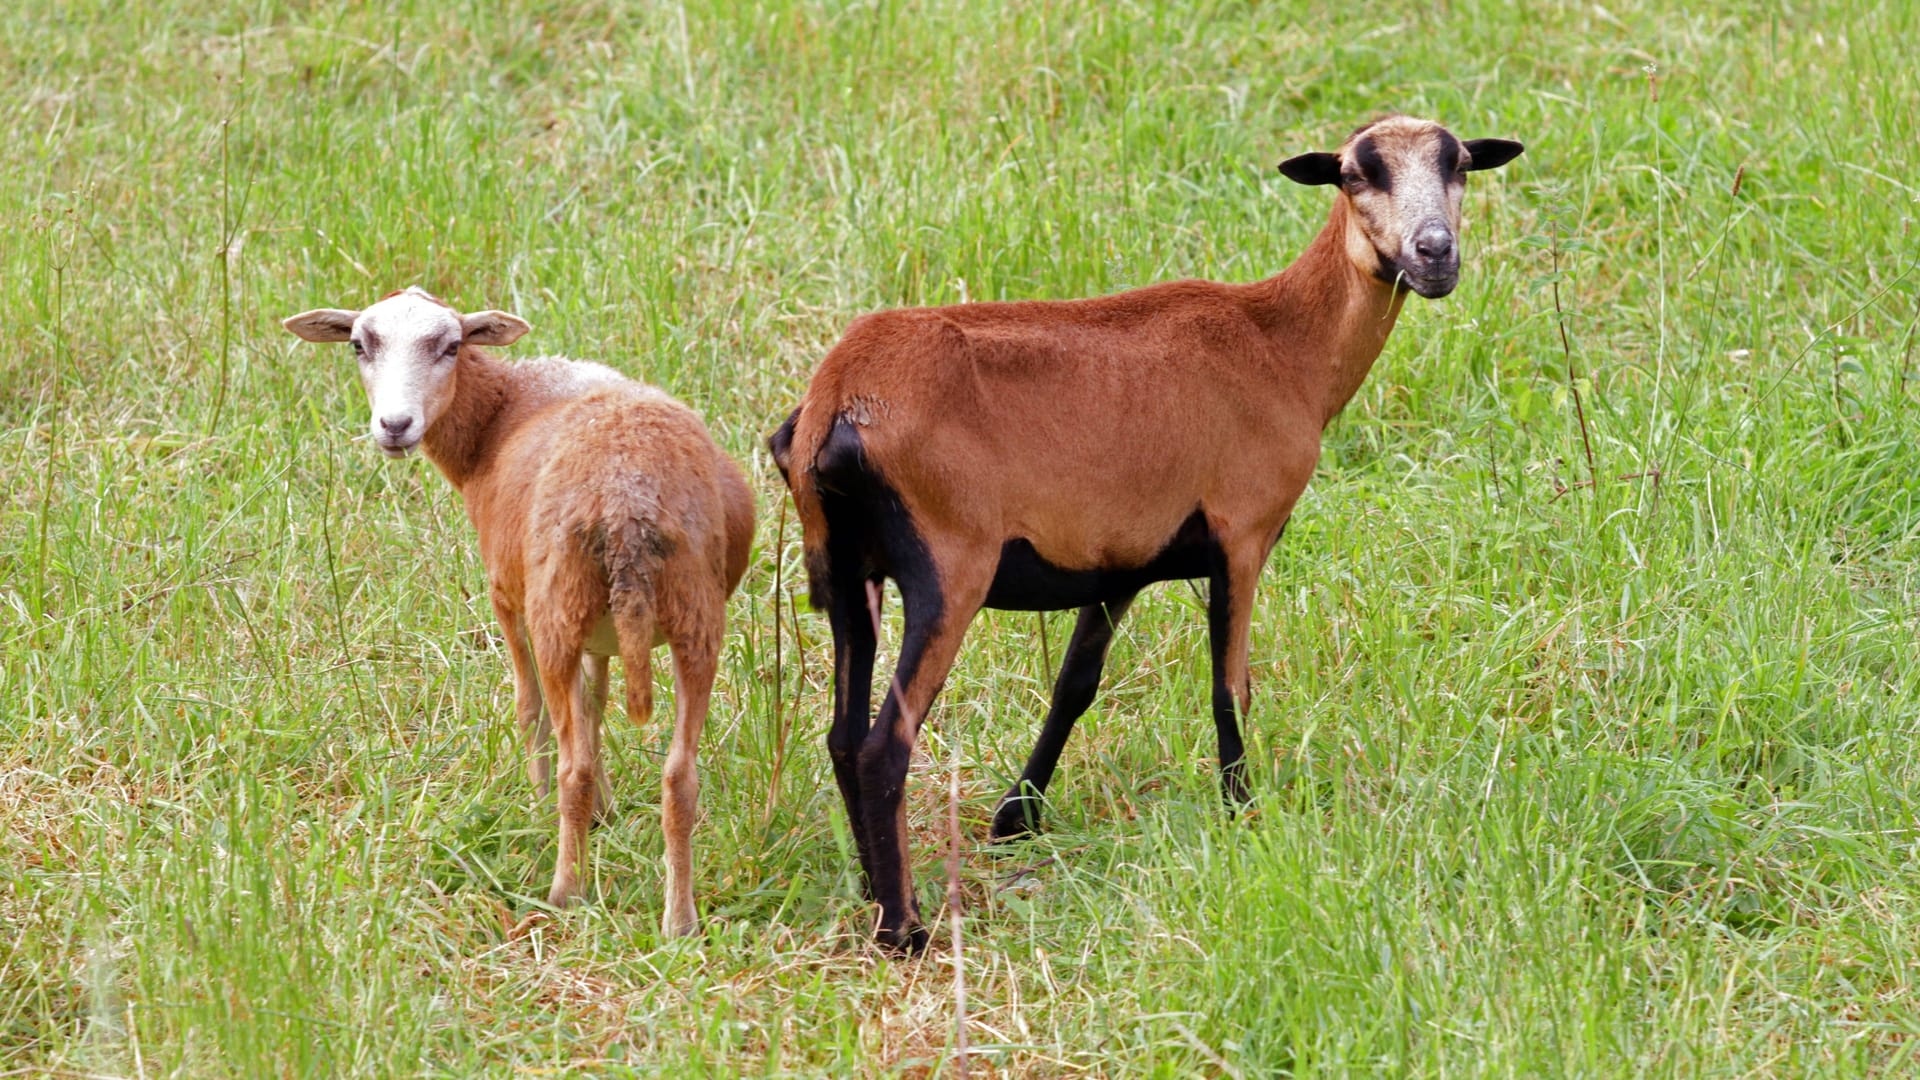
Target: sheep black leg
x,y
1073,692
938,608
884,758
1229,618
853,649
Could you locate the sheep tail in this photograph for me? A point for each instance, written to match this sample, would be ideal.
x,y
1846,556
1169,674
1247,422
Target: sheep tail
x,y
796,450
634,557
633,629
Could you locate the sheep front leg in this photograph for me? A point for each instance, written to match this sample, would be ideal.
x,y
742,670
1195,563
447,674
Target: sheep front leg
x,y
1073,691
1230,594
529,708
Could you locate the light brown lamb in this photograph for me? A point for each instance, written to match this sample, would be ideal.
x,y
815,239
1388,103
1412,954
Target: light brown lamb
x,y
609,522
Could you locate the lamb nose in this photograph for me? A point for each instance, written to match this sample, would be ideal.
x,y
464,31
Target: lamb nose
x,y
1434,243
394,425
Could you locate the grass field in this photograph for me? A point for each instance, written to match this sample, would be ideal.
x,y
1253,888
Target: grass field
x,y
1569,763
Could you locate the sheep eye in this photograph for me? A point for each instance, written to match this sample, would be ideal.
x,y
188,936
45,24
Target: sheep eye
x,y
359,349
452,350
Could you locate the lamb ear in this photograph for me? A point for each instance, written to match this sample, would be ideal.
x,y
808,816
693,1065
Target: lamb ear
x,y
321,324
492,328
1491,153
1312,169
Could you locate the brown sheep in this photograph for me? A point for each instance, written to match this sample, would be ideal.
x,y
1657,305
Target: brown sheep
x,y
609,522
1051,455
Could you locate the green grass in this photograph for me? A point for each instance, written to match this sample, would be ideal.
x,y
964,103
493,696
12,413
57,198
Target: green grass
x,y
1556,778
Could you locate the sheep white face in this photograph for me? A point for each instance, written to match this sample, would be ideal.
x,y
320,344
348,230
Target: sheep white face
x,y
1403,180
407,347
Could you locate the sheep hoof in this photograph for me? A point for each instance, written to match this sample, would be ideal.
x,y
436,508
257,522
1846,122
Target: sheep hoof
x,y
565,896
907,941
1016,820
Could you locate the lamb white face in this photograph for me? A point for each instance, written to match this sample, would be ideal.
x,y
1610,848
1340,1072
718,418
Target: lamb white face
x,y
1403,180
407,347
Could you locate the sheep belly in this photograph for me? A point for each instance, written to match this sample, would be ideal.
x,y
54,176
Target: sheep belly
x,y
1026,581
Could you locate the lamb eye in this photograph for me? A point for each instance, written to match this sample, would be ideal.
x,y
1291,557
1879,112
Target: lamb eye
x,y
359,350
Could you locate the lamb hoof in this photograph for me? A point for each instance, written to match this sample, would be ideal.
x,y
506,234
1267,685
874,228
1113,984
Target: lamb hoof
x,y
682,925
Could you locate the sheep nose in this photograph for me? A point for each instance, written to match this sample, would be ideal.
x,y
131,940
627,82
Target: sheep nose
x,y
396,424
1435,241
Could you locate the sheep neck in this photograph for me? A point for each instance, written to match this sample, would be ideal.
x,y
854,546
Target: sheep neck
x,y
1328,318
462,438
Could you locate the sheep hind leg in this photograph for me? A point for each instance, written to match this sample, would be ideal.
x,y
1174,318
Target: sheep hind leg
x,y
1073,692
560,661
695,637
593,680
850,536
939,607
854,645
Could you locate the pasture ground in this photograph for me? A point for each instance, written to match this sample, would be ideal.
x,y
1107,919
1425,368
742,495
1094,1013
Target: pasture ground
x,y
1556,776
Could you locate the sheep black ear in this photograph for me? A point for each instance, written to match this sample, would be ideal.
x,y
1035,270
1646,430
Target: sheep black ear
x,y
321,324
1491,153
492,328
1312,169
